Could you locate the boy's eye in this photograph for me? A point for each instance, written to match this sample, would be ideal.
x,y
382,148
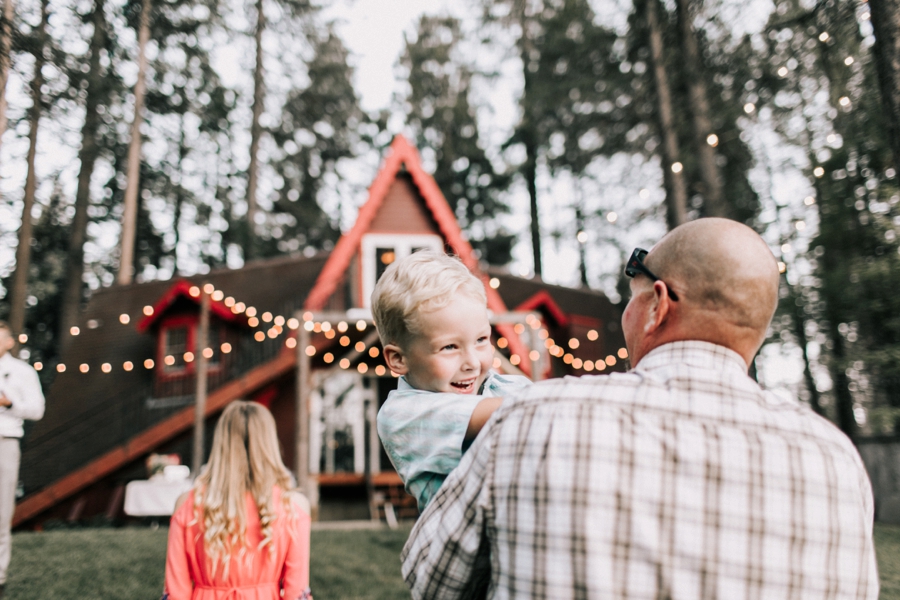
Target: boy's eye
x,y
449,347
483,339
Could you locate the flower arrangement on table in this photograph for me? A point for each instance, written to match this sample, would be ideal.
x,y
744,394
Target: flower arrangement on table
x,y
157,463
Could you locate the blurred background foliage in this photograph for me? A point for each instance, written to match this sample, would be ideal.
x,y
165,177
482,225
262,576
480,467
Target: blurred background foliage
x,y
619,131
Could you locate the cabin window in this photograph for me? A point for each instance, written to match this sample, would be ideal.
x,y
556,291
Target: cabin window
x,y
380,250
179,336
175,344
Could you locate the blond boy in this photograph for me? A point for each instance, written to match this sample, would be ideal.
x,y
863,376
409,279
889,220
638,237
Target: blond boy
x,y
431,315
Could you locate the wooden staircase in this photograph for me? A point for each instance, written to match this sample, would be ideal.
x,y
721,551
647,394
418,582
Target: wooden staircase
x,y
146,441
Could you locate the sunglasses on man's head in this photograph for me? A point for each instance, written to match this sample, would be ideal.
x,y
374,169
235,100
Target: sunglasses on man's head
x,y
636,265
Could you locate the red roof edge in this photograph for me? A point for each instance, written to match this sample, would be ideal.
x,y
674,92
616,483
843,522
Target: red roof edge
x,y
182,289
402,152
340,257
543,300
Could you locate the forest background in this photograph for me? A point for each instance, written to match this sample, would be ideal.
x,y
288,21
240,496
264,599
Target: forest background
x,y
145,139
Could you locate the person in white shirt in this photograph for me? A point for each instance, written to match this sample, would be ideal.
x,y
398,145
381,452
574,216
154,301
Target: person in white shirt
x,y
21,398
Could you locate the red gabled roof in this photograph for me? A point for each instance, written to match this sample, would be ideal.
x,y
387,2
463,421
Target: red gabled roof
x,y
182,289
544,301
404,153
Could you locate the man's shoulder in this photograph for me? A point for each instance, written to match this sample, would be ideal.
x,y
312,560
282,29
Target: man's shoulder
x,y
11,363
584,383
569,388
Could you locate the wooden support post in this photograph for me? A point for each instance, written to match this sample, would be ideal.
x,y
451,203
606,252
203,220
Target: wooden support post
x,y
532,346
374,442
307,484
115,502
202,371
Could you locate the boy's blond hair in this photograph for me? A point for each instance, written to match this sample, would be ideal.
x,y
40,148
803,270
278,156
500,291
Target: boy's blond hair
x,y
423,281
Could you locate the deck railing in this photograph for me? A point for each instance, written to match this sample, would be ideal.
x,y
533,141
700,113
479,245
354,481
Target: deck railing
x,y
113,420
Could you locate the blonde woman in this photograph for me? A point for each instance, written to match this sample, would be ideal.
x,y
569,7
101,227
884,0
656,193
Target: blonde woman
x,y
240,534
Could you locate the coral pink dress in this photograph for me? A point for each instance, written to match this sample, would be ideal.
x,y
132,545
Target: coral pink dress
x,y
257,575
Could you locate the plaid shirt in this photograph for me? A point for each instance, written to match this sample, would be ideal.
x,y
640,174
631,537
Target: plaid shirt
x,y
680,479
423,432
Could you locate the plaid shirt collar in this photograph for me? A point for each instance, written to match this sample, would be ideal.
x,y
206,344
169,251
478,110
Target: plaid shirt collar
x,y
692,353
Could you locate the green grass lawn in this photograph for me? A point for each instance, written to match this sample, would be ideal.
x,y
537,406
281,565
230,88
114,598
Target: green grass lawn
x,y
117,564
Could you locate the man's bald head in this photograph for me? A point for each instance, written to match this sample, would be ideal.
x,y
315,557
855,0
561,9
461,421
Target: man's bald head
x,y
726,280
720,266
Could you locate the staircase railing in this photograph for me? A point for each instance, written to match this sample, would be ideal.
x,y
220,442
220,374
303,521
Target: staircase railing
x,y
114,420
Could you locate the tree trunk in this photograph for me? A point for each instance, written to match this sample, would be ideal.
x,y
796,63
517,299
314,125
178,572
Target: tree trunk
x,y
582,253
255,133
129,214
529,136
529,170
179,195
713,197
799,322
87,156
846,420
6,31
886,23
673,170
23,250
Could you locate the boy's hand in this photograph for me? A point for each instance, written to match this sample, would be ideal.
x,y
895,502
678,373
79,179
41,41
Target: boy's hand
x,y
481,414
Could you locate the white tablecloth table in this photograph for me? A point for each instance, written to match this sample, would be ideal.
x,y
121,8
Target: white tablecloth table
x,y
153,497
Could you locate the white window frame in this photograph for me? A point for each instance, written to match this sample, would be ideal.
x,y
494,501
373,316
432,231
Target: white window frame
x,y
402,243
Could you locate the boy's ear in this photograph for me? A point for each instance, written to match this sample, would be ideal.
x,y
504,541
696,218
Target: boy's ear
x,y
395,359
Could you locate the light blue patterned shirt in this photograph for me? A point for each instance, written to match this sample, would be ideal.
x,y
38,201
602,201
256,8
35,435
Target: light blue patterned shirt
x,y
423,432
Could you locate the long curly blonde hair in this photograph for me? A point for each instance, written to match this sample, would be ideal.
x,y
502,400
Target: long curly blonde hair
x,y
245,457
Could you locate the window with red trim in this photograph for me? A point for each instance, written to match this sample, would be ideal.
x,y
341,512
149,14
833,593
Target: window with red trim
x,y
177,351
175,346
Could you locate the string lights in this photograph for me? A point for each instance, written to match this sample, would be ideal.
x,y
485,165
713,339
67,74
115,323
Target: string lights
x,y
277,325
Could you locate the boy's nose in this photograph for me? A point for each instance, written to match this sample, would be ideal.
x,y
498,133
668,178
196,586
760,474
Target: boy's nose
x,y
471,360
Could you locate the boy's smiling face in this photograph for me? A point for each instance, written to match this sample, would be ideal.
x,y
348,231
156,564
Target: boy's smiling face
x,y
452,351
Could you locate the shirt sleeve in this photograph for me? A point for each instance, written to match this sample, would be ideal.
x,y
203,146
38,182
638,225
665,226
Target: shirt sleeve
x,y
502,385
179,585
25,394
296,564
423,434
447,555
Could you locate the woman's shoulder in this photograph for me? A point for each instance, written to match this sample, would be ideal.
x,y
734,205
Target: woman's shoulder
x,y
185,498
299,500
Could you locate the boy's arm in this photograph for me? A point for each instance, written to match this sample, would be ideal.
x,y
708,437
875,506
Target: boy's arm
x,y
481,414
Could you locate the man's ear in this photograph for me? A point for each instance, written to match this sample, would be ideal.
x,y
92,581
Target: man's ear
x,y
658,309
395,359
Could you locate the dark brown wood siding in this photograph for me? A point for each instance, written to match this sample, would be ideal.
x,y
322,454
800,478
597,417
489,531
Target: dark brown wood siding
x,y
403,210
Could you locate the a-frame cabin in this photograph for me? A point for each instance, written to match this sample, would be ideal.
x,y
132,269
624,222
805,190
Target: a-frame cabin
x,y
128,383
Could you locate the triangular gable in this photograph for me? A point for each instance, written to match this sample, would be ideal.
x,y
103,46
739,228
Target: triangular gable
x,y
182,289
404,153
544,302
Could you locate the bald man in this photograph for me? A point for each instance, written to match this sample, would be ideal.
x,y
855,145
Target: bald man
x,y
681,479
